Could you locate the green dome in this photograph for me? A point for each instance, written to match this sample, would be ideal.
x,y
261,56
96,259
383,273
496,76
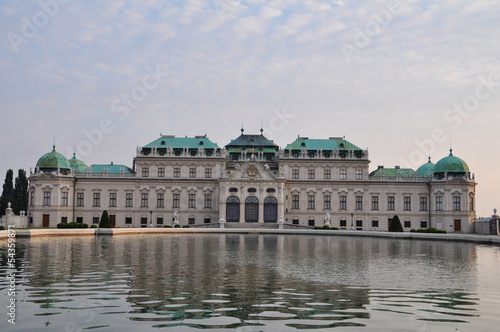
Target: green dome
x,y
52,161
426,169
77,165
451,164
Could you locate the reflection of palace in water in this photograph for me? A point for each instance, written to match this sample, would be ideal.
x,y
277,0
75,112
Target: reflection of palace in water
x,y
248,270
251,180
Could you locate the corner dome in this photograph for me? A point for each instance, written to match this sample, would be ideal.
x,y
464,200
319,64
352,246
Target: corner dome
x,y
77,165
426,169
52,161
451,165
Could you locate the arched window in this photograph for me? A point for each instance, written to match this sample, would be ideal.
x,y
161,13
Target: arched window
x,y
252,209
233,209
270,209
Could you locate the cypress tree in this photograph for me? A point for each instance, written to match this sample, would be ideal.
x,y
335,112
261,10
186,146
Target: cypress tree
x,y
105,222
20,192
7,193
396,225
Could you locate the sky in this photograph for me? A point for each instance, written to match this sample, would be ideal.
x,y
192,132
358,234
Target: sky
x,y
405,79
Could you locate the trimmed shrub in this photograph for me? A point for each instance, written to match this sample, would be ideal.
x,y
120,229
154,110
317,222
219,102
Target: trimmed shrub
x,y
167,226
317,227
2,228
396,225
93,226
441,231
335,228
177,226
186,226
105,222
71,225
413,231
326,227
82,225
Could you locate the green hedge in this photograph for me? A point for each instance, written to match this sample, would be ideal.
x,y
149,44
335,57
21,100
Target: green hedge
x,y
429,230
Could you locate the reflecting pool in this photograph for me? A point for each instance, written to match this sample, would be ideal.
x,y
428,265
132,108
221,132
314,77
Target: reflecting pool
x,y
232,282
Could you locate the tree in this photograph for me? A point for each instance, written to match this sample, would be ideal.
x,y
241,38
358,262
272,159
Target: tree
x,y
20,193
105,222
7,193
396,225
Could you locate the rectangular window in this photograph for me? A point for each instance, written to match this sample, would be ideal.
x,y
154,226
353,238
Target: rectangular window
x,y
295,201
64,199
145,172
176,200
64,220
310,202
407,224
191,221
311,174
46,198
159,221
439,203
32,198
206,221
374,223
423,203
407,203
79,220
456,203
295,221
471,204
97,199
343,203
295,173
327,203
192,172
359,202
112,199
327,174
208,200
343,223
374,202
128,220
160,202
177,172
310,222
208,172
359,223
423,224
129,198
359,174
343,174
79,199
192,200
161,172
144,222
144,200
95,220
390,203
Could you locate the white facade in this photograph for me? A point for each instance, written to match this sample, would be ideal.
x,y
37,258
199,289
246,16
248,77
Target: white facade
x,y
258,187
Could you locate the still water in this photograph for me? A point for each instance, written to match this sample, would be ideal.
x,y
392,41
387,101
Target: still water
x,y
231,282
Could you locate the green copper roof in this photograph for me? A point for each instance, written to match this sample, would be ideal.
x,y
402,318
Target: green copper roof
x,y
451,164
426,169
77,165
108,168
325,144
250,141
182,142
394,172
53,160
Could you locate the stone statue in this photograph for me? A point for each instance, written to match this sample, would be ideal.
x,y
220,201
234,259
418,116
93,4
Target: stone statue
x,y
176,218
327,219
266,167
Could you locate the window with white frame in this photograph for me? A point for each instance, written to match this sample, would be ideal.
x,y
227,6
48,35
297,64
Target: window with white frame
x,y
64,198
343,174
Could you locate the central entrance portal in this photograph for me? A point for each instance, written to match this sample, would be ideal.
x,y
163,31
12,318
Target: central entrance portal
x,y
252,209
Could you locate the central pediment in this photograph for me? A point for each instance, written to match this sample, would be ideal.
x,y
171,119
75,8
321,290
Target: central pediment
x,y
252,171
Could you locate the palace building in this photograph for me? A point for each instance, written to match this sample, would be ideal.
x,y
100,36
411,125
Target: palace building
x,y
252,182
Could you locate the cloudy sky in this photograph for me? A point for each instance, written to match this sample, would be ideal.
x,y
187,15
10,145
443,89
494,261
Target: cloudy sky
x,y
401,78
